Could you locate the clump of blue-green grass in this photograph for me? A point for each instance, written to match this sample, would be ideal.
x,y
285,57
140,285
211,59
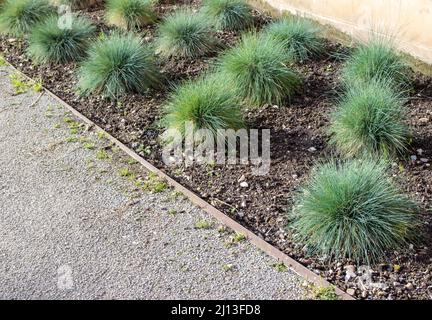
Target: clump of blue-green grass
x,y
370,119
18,17
130,14
229,14
300,37
209,102
376,60
118,64
353,210
185,34
260,69
50,42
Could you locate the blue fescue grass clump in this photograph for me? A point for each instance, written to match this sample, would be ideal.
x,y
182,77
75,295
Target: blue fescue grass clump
x,y
353,210
377,59
207,103
370,119
116,65
229,14
300,37
49,42
18,17
185,34
130,14
259,67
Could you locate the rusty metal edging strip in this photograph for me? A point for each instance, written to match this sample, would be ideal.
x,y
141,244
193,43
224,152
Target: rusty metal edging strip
x,y
204,205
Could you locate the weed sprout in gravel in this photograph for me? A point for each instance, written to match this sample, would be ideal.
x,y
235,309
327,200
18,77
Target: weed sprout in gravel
x,y
130,14
300,37
259,66
353,210
229,14
376,60
118,64
50,43
207,103
17,17
185,34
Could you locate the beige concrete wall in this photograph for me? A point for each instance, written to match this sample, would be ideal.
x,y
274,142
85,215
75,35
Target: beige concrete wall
x,y
408,21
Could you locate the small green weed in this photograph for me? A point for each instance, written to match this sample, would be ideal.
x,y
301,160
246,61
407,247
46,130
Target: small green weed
x,y
101,154
18,83
227,267
37,86
172,212
203,224
89,146
3,61
280,266
125,172
239,237
324,293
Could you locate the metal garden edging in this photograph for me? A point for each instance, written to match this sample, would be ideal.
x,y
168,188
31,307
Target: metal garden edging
x,y
266,247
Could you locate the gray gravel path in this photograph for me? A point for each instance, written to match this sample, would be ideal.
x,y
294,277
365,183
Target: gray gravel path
x,y
73,225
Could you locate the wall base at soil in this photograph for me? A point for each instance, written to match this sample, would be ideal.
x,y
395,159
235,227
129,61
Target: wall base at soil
x,y
408,22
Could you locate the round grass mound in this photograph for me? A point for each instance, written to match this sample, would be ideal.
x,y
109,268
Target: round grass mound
x,y
258,66
300,37
376,60
353,210
229,14
49,42
207,103
18,17
370,119
118,64
185,34
130,14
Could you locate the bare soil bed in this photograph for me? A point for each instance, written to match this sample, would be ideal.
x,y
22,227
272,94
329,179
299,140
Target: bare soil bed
x,y
298,141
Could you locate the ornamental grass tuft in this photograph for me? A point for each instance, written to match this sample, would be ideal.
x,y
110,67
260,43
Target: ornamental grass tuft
x,y
259,67
185,34
48,42
370,120
130,14
229,14
376,60
18,17
116,65
353,210
207,103
300,37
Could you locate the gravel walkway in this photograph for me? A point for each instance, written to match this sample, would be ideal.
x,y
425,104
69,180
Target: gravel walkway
x,y
74,224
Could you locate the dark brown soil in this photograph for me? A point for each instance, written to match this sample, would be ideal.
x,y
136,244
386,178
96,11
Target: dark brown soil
x,y
296,127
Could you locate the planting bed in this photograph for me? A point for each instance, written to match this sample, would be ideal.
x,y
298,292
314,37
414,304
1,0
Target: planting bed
x,y
298,141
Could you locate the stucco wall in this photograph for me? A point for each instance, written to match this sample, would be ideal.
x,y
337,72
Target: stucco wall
x,y
409,22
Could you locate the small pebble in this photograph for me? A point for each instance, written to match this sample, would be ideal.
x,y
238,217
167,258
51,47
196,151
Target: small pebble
x,y
424,120
409,286
244,184
350,291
